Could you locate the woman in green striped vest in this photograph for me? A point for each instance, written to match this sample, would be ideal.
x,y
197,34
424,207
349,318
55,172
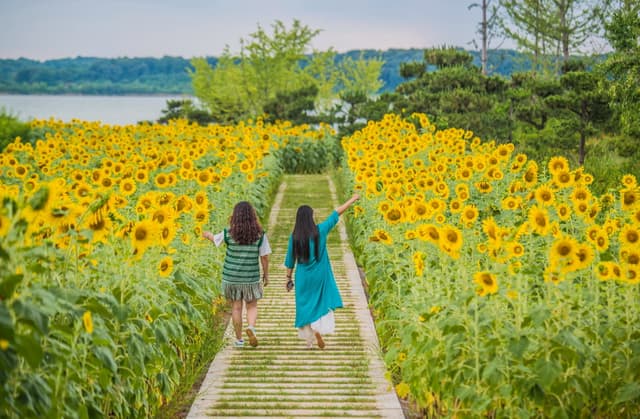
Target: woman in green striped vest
x,y
247,249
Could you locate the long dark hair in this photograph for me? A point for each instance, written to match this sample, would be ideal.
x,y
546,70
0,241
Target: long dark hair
x,y
244,225
304,231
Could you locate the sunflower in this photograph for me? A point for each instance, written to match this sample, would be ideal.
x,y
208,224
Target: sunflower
x,y
530,176
163,215
225,172
142,176
580,193
515,250
87,321
4,224
100,226
201,199
165,266
420,210
562,250
384,206
146,201
381,236
469,215
418,262
630,255
451,238
483,186
455,206
607,200
429,232
161,180
82,190
629,198
544,195
539,220
410,234
581,208
201,216
144,234
563,179
629,181
394,215
591,233
611,226
553,276
601,241
631,274
630,235
584,256
464,173
604,270
487,282
203,177
511,203
504,151
128,187
558,164
437,205
564,211
462,191
167,233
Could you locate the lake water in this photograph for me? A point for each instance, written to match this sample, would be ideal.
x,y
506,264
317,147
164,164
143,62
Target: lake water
x,y
113,110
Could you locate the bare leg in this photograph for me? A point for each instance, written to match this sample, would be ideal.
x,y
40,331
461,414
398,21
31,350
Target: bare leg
x,y
252,313
252,316
236,317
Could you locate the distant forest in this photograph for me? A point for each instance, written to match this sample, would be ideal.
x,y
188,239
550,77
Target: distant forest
x,y
169,75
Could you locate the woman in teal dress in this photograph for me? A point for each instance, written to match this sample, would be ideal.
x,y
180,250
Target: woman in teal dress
x,y
316,291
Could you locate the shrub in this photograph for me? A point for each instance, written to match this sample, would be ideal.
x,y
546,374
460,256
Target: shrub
x,y
10,128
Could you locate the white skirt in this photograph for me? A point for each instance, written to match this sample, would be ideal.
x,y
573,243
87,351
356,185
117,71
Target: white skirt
x,y
324,325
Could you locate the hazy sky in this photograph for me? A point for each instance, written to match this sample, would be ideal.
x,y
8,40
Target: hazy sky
x,y
45,29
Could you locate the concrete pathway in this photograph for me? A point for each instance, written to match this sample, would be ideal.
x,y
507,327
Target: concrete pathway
x,y
281,378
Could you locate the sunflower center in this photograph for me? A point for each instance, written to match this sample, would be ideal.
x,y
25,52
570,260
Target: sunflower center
x,y
141,234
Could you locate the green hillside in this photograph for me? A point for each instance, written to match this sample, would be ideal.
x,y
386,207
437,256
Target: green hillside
x,y
169,75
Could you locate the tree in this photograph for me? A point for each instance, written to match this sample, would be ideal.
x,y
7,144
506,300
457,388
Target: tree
x,y
623,65
277,66
582,105
576,21
527,23
360,75
222,90
270,63
184,109
296,106
456,94
488,28
552,28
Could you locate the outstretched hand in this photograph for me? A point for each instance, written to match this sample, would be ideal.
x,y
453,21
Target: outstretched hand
x,y
207,235
347,204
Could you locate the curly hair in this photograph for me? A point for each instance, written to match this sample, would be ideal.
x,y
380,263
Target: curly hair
x,y
244,225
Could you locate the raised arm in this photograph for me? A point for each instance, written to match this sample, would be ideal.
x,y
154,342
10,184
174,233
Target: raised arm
x,y
342,208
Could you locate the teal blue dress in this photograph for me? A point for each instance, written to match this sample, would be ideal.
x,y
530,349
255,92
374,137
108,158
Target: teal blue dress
x,y
316,289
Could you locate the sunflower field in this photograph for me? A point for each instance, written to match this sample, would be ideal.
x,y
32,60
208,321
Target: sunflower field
x,y
107,290
499,287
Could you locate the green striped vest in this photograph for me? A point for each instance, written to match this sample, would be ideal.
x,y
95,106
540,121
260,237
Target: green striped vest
x,y
242,261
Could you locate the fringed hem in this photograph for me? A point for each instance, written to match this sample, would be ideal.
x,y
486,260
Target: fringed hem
x,y
247,292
